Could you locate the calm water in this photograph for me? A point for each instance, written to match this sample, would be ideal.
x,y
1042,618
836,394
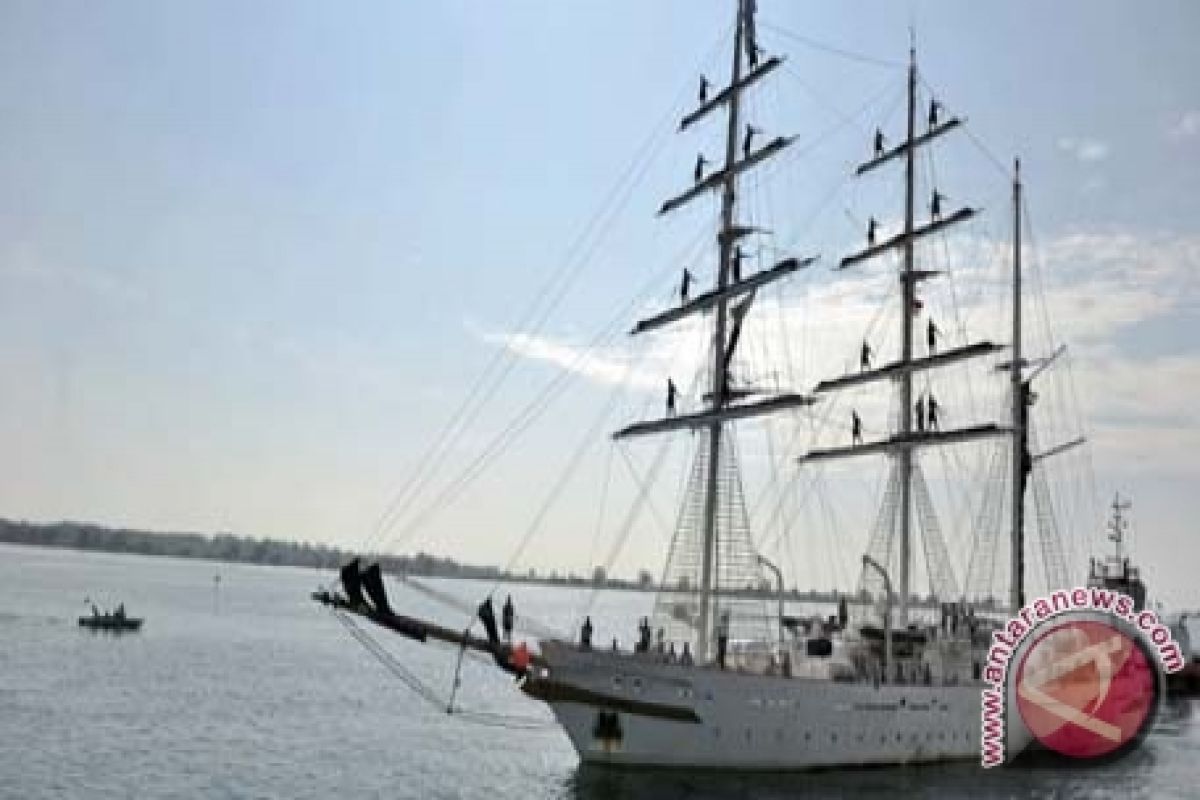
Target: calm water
x,y
254,691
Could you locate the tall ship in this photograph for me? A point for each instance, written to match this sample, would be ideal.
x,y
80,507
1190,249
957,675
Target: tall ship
x,y
721,676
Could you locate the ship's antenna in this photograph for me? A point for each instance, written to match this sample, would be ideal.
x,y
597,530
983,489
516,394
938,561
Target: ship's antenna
x,y
1118,525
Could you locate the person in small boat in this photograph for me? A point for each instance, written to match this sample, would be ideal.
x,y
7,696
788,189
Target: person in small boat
x,y
855,428
95,611
585,635
507,616
685,285
120,612
672,393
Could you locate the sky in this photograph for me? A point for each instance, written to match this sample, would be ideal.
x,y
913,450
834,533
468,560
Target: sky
x,y
253,257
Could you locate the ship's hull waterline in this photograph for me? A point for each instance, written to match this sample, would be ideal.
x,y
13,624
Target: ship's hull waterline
x,y
631,712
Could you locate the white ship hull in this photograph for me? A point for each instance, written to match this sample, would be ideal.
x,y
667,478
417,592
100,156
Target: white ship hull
x,y
751,722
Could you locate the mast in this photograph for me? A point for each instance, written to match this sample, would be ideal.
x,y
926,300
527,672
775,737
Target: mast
x,y
720,367
907,437
907,298
1019,408
728,301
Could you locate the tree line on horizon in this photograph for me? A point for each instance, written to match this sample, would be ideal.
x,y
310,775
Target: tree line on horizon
x,y
275,552
250,550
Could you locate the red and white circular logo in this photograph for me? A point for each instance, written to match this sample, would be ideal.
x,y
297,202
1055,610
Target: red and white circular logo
x,y
1086,688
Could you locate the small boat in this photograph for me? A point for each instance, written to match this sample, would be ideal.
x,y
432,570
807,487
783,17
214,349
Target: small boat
x,y
115,621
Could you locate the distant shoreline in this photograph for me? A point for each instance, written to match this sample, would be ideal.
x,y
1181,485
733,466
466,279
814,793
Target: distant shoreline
x,y
272,552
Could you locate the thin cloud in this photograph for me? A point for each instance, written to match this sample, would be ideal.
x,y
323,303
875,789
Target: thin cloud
x,y
1096,286
606,366
1084,150
1186,127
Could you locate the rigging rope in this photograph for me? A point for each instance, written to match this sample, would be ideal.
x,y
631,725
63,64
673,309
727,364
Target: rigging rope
x,y
426,694
530,323
863,58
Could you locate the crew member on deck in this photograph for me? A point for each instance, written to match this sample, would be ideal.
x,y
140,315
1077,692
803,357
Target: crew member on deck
x,y
855,428
507,615
585,635
864,356
686,659
871,225
643,645
931,336
698,173
672,392
685,285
